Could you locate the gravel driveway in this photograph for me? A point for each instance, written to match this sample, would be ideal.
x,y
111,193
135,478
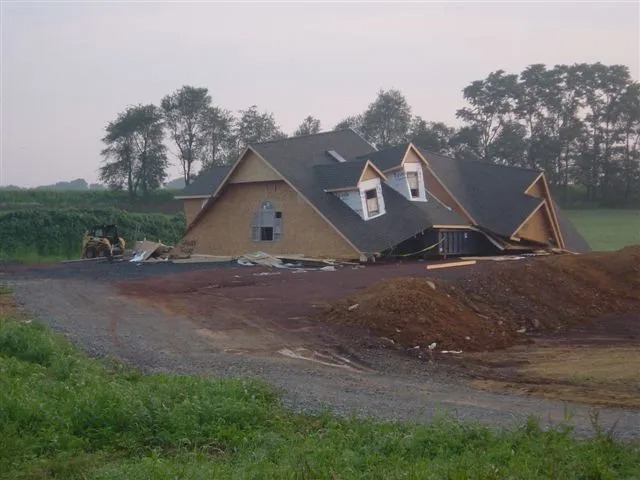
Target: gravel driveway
x,y
83,303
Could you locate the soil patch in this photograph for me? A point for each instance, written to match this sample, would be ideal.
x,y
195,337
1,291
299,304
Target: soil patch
x,y
495,306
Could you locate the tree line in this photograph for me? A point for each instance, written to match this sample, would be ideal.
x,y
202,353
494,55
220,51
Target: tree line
x,y
579,123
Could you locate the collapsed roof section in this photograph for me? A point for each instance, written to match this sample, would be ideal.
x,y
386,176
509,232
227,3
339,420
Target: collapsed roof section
x,y
483,196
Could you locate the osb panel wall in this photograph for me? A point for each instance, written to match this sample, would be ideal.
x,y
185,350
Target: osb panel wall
x,y
253,169
191,208
369,174
538,228
435,188
537,189
411,157
225,229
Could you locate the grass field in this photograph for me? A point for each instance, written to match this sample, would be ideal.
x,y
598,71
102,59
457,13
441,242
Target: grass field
x,y
65,416
607,229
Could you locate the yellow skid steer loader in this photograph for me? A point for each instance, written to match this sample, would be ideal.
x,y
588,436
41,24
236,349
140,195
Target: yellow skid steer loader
x,y
102,241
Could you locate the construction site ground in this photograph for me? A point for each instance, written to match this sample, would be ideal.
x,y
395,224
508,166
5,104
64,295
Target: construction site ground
x,y
288,327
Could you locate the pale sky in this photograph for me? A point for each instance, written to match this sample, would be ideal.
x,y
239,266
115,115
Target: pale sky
x,y
67,69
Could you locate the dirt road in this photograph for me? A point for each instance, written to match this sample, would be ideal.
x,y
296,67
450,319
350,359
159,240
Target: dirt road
x,y
312,367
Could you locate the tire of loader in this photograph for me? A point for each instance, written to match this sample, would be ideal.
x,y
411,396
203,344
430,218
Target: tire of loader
x,y
91,253
104,252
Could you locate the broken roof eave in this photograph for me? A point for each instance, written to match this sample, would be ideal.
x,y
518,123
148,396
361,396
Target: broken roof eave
x,y
188,197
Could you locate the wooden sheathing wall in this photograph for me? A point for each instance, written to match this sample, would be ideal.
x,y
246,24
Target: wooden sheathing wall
x,y
538,227
191,208
225,227
369,173
539,189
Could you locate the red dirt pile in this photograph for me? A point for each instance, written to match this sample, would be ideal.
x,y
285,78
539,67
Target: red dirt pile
x,y
497,302
412,313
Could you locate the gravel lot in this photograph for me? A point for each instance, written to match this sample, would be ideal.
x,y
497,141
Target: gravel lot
x,y
82,301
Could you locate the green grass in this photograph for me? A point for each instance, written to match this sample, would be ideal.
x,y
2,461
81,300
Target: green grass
x,y
607,229
65,416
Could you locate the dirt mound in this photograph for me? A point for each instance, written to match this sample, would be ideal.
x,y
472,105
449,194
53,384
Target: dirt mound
x,y
418,311
497,302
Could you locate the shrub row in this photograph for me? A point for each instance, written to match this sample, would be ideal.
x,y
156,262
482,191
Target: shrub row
x,y
59,232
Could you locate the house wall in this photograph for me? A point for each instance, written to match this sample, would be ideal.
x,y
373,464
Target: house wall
x,y
352,199
253,169
397,180
411,157
369,174
537,189
537,228
225,228
191,207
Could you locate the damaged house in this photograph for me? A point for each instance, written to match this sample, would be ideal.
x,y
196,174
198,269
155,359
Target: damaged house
x,y
333,195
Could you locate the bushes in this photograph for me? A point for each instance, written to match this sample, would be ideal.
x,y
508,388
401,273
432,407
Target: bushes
x,y
58,233
160,201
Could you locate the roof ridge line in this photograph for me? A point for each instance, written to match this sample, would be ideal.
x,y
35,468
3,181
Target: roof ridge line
x,y
301,136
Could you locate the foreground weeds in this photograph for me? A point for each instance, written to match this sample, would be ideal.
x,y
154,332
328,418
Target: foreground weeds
x,y
63,415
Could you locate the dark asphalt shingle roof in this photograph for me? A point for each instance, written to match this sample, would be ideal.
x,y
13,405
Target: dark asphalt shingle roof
x,y
492,194
387,158
206,183
572,239
339,175
298,159
439,214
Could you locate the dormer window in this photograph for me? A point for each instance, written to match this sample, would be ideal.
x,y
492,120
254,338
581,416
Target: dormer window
x,y
373,207
413,182
371,199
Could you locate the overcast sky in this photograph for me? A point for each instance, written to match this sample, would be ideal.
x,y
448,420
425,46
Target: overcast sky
x,y
69,68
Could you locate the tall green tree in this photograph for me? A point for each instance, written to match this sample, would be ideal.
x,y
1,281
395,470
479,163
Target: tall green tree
x,y
253,126
135,155
387,120
186,112
353,121
309,126
218,125
432,136
491,103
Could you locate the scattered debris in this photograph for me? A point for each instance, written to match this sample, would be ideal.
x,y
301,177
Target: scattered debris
x,y
294,262
260,258
145,251
435,266
353,307
197,258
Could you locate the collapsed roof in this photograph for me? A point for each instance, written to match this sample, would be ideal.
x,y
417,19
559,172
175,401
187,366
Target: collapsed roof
x,y
314,165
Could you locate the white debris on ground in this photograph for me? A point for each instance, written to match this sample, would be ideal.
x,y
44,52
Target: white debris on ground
x,y
294,262
147,251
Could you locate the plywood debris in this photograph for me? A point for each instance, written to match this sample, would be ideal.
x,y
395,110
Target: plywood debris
x,y
145,251
436,266
288,261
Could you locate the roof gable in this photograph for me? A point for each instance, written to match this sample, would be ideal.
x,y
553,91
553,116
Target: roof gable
x,y
494,195
346,175
205,184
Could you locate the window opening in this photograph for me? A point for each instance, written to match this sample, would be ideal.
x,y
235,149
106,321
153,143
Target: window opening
x,y
412,180
373,208
267,224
